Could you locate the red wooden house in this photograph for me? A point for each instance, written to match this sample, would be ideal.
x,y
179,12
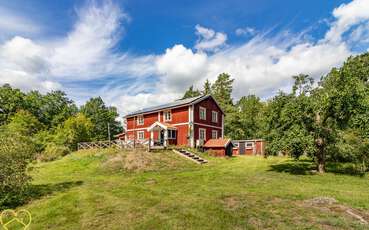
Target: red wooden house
x,y
187,122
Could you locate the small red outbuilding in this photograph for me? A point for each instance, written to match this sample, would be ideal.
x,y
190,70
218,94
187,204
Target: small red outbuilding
x,y
219,147
249,147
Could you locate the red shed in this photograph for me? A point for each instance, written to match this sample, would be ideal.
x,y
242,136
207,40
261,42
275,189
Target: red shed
x,y
220,147
249,147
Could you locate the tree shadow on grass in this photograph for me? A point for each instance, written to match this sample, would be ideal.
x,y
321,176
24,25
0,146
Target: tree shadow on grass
x,y
39,190
34,192
344,168
295,167
307,167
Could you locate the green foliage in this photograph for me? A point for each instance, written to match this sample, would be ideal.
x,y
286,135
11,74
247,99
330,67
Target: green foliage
x,y
11,100
100,116
250,119
222,91
16,152
42,139
207,88
191,93
74,130
352,147
53,152
23,123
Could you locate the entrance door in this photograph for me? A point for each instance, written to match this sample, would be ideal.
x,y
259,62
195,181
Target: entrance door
x,y
242,148
161,137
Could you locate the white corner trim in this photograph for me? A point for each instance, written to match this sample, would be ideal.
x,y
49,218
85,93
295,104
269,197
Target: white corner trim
x,y
222,125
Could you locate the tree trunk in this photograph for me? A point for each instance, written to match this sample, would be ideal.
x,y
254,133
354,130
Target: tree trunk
x,y
321,160
320,144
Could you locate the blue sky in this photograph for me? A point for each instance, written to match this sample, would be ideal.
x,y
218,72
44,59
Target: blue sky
x,y
139,53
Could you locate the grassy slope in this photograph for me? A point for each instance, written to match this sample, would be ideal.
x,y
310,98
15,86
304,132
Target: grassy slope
x,y
236,193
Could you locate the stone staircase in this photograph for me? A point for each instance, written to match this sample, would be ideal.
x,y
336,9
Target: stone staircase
x,y
191,156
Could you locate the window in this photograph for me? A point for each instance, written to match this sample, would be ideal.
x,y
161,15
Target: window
x,y
141,135
167,115
140,120
214,116
249,145
214,134
202,113
202,134
236,144
171,134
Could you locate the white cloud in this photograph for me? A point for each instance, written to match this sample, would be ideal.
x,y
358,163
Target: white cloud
x,y
261,65
245,31
209,40
346,16
179,67
85,53
23,64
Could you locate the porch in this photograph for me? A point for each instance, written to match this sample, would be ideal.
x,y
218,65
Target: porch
x,y
162,135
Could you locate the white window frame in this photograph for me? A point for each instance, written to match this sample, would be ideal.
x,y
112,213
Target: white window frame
x,y
204,110
165,113
139,121
214,114
202,129
138,135
172,134
249,147
214,132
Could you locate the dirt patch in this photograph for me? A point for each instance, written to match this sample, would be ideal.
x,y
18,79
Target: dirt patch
x,y
321,201
329,204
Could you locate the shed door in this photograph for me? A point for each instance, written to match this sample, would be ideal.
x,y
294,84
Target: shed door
x,y
241,147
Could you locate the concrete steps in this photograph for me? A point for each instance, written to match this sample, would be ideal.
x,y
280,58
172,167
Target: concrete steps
x,y
191,156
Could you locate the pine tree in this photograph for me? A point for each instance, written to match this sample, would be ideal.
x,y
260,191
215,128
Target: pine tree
x,y
222,90
207,88
191,93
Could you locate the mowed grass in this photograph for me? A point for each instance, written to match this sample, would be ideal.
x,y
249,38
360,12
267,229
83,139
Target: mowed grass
x,y
92,190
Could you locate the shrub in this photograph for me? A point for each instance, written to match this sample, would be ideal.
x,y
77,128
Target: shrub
x,y
15,154
53,152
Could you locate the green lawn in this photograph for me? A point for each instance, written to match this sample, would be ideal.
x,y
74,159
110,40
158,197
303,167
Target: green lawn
x,y
95,190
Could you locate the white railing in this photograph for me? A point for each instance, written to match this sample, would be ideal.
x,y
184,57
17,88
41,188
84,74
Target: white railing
x,y
115,144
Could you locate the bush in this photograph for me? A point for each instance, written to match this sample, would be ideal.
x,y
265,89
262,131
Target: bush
x,y
53,152
16,152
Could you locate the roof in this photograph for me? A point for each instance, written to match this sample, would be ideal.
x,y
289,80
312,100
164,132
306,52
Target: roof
x,y
161,125
250,140
177,103
120,134
217,143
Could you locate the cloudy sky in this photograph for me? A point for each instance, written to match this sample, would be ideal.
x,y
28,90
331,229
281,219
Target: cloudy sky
x,y
136,53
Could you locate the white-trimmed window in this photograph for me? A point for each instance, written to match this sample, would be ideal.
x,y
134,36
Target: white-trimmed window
x,y
140,120
249,145
140,135
214,116
202,112
202,134
214,134
167,115
171,134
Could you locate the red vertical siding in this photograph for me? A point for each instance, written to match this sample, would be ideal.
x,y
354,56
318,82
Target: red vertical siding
x,y
208,131
210,105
